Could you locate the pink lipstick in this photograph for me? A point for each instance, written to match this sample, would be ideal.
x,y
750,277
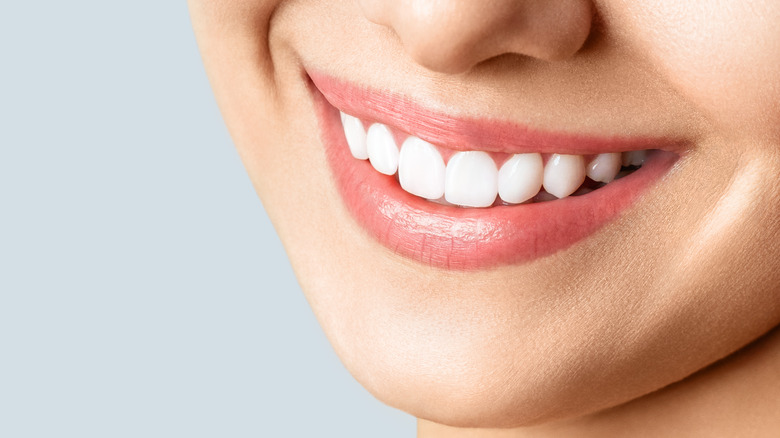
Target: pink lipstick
x,y
450,237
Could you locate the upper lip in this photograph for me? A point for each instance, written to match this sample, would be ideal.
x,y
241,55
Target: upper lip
x,y
469,238
469,134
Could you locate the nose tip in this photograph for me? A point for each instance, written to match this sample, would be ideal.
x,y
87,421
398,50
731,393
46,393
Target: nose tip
x,y
453,36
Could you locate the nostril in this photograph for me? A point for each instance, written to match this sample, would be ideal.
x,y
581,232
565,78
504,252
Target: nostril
x,y
447,57
453,36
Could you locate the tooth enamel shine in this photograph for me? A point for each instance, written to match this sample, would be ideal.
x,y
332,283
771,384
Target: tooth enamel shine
x,y
471,179
421,169
604,167
382,150
520,178
564,174
355,135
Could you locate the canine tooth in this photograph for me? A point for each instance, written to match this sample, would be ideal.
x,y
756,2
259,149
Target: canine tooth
x,y
604,167
382,150
356,136
421,169
564,174
520,178
471,179
634,158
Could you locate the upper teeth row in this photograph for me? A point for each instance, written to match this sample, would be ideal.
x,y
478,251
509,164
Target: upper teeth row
x,y
471,178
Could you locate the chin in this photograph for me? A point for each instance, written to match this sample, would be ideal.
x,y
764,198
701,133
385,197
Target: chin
x,y
473,366
460,352
462,383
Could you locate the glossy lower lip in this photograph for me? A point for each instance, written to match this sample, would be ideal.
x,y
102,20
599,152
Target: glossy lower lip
x,y
465,239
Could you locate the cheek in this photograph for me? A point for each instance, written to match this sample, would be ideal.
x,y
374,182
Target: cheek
x,y
722,55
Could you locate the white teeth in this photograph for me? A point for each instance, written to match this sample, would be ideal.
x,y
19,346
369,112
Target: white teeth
x,y
520,178
471,179
604,167
634,158
421,169
564,174
356,136
382,150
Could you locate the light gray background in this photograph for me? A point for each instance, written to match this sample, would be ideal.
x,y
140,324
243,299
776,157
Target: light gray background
x,y
143,292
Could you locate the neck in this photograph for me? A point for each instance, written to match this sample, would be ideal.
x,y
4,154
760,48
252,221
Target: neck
x,y
736,396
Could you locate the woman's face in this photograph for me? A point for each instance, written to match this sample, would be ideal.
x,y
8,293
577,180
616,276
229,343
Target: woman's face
x,y
486,314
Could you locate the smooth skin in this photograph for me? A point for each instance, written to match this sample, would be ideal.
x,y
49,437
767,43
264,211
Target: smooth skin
x,y
660,324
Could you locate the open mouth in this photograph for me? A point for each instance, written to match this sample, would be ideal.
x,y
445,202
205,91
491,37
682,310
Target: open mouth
x,y
468,194
479,178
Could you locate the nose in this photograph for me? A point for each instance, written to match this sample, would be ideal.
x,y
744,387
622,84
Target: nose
x,y
451,36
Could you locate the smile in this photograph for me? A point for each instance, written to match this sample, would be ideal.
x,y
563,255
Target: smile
x,y
478,178
470,194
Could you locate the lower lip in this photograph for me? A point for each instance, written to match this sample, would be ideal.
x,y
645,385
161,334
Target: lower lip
x,y
466,239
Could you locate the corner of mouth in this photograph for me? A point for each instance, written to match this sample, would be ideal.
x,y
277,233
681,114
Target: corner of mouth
x,y
431,225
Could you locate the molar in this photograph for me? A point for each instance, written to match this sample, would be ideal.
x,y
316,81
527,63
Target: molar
x,y
634,158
